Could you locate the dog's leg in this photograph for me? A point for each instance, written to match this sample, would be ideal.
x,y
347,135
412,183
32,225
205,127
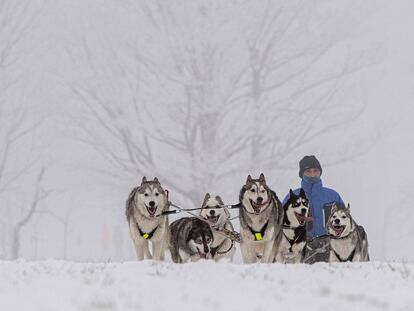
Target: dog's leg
x,y
147,251
157,249
175,255
185,257
267,252
140,250
139,244
248,251
357,257
332,257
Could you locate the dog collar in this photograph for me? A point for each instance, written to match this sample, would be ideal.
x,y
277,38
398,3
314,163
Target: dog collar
x,y
258,235
146,236
284,226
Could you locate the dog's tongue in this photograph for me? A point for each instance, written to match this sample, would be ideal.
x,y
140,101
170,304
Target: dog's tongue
x,y
302,218
152,210
213,219
338,230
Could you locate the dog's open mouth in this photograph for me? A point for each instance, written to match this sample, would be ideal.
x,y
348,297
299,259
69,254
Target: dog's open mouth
x,y
202,255
302,218
213,219
257,207
338,229
151,210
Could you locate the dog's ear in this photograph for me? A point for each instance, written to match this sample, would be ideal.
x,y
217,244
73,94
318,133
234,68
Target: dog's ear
x,y
206,197
218,198
144,180
348,208
302,193
291,194
334,208
156,180
262,178
249,179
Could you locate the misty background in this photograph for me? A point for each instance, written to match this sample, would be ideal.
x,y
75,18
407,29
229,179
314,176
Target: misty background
x,y
96,94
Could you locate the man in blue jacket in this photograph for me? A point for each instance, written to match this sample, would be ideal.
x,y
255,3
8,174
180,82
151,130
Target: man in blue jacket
x,y
321,200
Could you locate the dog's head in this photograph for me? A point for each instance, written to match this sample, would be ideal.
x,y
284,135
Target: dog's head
x,y
255,195
296,209
149,199
200,238
340,223
213,210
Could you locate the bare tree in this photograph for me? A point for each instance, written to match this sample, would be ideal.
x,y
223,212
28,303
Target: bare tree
x,y
19,154
39,195
233,94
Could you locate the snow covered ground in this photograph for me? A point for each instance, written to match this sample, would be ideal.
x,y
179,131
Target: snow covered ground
x,y
61,285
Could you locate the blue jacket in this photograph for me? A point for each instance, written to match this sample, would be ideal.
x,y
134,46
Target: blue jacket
x,y
319,198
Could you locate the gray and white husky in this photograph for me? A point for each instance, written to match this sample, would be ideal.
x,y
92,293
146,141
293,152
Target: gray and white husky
x,y
214,212
348,239
292,246
144,209
190,239
261,217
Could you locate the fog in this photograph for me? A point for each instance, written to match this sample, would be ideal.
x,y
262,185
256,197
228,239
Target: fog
x,y
96,94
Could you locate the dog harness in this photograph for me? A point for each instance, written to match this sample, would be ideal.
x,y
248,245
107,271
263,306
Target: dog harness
x,y
292,242
258,235
146,236
215,250
350,257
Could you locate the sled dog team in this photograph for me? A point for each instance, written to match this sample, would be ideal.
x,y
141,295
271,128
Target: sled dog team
x,y
269,231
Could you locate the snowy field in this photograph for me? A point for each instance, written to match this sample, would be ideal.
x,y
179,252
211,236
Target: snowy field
x,y
62,285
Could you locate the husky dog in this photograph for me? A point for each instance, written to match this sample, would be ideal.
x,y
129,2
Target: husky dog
x,y
214,212
348,239
261,217
190,238
292,245
144,209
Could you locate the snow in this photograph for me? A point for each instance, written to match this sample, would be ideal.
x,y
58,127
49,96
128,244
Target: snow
x,y
148,285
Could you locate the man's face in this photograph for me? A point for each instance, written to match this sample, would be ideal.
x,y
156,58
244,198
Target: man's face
x,y
312,172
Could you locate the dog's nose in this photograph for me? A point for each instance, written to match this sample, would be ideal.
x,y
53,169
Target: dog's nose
x,y
304,210
206,250
259,199
152,203
212,212
337,221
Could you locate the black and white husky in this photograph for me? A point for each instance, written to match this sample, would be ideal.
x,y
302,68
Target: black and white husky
x,y
292,246
190,239
214,212
348,239
261,216
144,209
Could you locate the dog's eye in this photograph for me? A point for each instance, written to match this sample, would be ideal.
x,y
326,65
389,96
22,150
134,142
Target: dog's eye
x,y
199,240
343,217
146,194
253,190
208,240
157,194
263,191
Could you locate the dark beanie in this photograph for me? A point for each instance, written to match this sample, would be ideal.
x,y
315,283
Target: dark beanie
x,y
308,162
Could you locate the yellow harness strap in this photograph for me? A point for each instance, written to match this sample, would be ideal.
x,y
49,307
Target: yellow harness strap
x,y
258,236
